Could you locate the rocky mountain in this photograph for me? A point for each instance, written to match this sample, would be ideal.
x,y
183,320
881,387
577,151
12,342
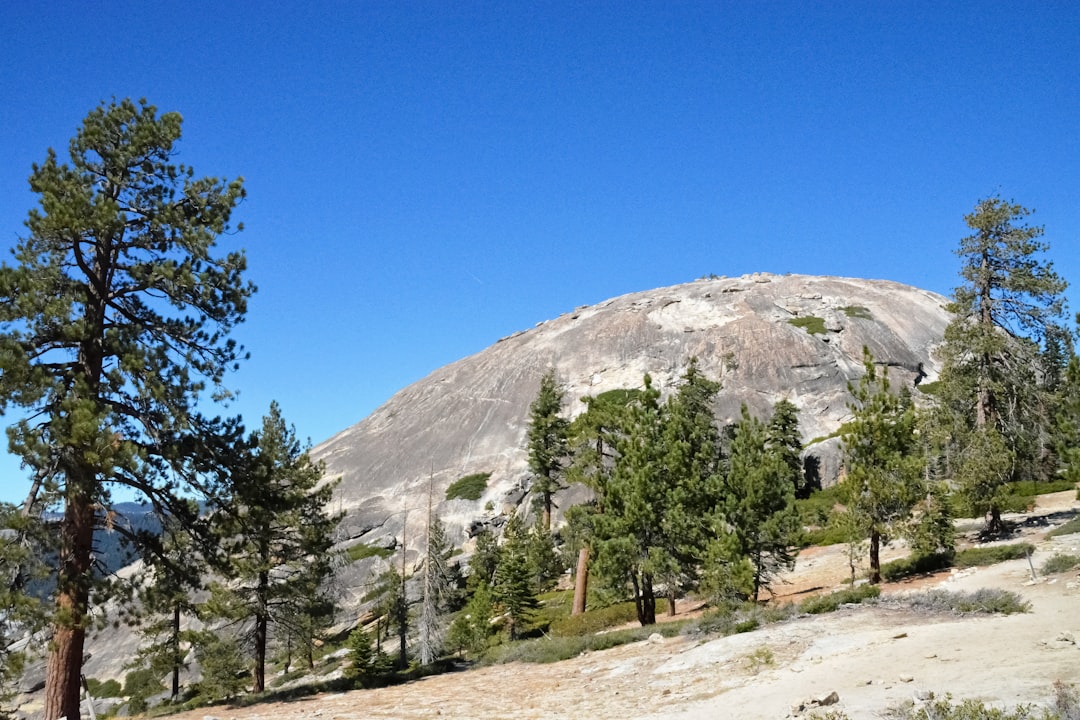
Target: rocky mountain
x,y
766,337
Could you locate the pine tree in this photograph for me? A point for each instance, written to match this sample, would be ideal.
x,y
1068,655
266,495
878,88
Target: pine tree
x,y
484,560
627,528
548,444
472,627
114,325
1010,303
883,461
692,469
1067,425
592,456
222,663
277,538
544,564
758,502
24,545
165,599
655,503
784,438
513,586
440,590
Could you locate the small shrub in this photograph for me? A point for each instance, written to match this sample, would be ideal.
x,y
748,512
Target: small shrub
x,y
930,388
858,311
1073,526
982,556
944,709
831,602
761,657
362,550
139,685
593,621
470,487
985,600
104,689
734,620
915,565
1031,487
810,323
1066,701
553,649
1059,564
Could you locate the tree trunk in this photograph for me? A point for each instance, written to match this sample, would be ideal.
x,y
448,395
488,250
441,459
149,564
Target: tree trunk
x,y
260,655
175,652
403,630
671,601
648,600
875,557
581,582
261,623
64,668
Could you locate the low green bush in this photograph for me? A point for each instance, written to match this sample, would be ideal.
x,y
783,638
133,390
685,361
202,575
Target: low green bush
x,y
553,649
831,602
810,323
818,508
1073,526
743,618
1031,487
104,689
361,551
1060,563
991,555
470,487
929,388
858,311
1065,706
593,621
915,565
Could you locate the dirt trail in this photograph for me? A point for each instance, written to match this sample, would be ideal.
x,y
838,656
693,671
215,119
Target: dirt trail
x,y
872,657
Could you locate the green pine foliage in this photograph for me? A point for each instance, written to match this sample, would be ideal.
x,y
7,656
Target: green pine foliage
x,y
1003,356
114,342
25,543
884,463
484,560
513,586
440,592
548,443
276,537
223,664
471,629
811,324
758,504
545,563
365,660
469,487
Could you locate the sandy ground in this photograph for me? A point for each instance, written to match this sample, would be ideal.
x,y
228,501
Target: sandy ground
x,y
872,657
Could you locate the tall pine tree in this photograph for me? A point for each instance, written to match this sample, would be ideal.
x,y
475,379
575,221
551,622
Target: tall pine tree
x,y
548,444
114,324
758,502
883,460
1010,302
277,535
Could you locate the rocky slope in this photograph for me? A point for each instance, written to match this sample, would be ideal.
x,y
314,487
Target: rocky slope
x,y
471,416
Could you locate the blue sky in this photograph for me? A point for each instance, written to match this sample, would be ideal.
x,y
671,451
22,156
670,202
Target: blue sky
x,y
425,178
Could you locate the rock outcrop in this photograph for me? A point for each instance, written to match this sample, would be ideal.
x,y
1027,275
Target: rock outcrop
x,y
766,337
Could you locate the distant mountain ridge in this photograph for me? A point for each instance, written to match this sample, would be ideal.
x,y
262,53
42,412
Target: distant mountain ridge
x,y
766,337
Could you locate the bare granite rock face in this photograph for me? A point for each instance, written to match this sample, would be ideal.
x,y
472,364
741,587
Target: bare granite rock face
x,y
472,415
